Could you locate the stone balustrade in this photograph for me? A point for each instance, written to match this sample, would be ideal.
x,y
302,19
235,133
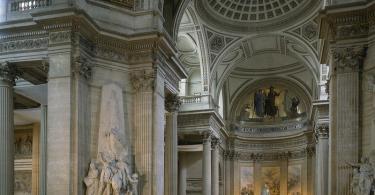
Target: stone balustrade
x,y
23,5
198,102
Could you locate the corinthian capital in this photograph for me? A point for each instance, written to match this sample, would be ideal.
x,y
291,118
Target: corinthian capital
x,y
82,68
349,59
8,72
172,102
322,131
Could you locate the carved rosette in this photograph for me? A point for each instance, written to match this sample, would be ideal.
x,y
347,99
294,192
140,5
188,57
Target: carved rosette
x,y
9,72
82,68
349,59
172,102
142,81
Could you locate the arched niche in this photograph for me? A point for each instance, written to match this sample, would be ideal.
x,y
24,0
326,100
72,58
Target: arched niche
x,y
245,114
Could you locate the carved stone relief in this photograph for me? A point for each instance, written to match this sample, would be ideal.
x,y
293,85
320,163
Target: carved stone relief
x,y
22,182
363,176
352,30
23,144
111,172
310,31
60,37
10,46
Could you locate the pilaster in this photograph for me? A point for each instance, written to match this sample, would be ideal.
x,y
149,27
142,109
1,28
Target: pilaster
x,y
347,65
81,76
149,113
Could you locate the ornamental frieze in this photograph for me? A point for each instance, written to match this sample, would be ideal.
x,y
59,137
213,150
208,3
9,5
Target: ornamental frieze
x,y
273,130
22,45
60,37
269,156
352,30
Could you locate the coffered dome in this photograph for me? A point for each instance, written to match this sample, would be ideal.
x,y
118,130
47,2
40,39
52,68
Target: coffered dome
x,y
254,10
251,15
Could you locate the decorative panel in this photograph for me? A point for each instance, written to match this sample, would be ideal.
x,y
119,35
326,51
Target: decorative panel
x,y
247,186
294,180
22,182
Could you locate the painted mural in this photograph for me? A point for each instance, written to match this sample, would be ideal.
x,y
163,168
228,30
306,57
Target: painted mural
x,y
294,180
271,180
272,103
247,181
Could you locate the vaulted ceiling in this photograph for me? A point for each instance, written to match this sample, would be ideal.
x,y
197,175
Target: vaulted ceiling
x,y
238,42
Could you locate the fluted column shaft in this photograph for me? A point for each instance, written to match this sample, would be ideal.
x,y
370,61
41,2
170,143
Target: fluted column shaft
x,y
206,166
321,177
344,127
182,175
215,168
7,77
149,111
172,104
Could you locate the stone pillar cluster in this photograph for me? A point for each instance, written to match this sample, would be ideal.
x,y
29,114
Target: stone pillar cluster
x,y
8,74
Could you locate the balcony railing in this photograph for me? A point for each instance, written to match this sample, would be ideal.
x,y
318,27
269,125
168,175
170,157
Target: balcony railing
x,y
197,102
23,5
191,99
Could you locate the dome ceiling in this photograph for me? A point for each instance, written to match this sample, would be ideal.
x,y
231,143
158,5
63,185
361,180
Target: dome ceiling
x,y
254,10
254,15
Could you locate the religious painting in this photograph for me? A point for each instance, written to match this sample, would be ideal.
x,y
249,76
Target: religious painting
x,y
247,180
294,180
272,103
271,180
22,182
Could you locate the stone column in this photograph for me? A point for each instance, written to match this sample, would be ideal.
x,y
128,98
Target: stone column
x,y
172,104
149,130
8,74
43,150
321,167
347,65
182,174
206,177
215,167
